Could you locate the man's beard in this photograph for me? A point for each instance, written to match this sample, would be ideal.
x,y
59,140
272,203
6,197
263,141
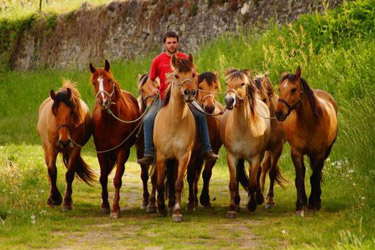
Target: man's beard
x,y
172,51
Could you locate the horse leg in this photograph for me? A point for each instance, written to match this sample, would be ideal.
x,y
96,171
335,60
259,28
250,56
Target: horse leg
x,y
151,207
275,155
144,176
315,179
104,172
55,197
121,157
160,170
69,177
183,163
205,194
254,187
300,169
233,185
191,175
265,166
172,177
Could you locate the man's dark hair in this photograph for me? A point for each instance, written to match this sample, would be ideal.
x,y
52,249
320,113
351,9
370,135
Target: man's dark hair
x,y
170,34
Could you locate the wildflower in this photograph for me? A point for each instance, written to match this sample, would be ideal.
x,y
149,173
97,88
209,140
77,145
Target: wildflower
x,y
32,217
42,191
354,184
363,197
350,171
43,212
283,232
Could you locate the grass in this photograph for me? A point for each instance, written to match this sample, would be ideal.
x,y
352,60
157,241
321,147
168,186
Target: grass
x,y
336,52
19,9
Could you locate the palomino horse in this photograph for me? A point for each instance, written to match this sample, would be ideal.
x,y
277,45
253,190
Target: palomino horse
x,y
276,141
114,133
175,129
208,85
310,127
245,135
64,118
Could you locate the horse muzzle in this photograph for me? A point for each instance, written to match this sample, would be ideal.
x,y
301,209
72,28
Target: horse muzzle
x,y
230,102
281,116
64,143
189,95
209,109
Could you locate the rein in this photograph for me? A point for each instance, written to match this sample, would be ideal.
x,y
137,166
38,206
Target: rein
x,y
290,107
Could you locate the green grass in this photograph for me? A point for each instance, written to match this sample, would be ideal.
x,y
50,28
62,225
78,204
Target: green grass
x,y
12,10
335,51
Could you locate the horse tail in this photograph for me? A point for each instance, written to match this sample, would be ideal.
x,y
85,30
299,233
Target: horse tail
x,y
280,179
241,174
83,171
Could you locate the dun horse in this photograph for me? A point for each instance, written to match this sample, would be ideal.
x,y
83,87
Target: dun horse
x,y
245,134
114,133
208,85
175,130
276,141
63,119
310,126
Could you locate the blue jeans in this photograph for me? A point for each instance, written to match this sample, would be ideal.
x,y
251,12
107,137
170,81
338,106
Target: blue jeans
x,y
148,128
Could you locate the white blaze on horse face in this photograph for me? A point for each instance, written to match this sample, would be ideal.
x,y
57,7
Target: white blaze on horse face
x,y
101,87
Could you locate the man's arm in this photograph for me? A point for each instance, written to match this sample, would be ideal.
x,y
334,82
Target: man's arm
x,y
154,70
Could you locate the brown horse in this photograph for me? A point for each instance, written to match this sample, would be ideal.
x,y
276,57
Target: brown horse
x,y
64,118
113,137
245,134
208,85
175,129
276,141
310,127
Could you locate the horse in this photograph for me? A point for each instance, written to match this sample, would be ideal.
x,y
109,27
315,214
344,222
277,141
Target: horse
x,y
276,140
64,118
115,124
208,85
310,125
245,134
175,133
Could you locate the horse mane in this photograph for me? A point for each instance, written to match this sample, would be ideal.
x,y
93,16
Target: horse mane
x,y
181,65
251,89
315,107
208,76
73,103
267,86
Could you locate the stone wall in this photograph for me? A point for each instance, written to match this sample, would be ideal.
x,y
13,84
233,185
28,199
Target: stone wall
x,y
128,29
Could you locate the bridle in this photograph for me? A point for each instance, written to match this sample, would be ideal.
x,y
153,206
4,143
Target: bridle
x,y
291,107
109,95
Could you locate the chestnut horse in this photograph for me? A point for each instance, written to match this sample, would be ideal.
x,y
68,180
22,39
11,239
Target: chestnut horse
x,y
208,85
64,118
113,137
175,129
310,127
245,134
276,141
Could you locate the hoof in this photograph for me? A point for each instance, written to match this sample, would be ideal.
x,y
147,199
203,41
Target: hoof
x,y
191,208
270,205
105,210
54,201
208,206
231,214
143,206
252,206
115,215
205,200
151,209
162,213
300,213
66,208
237,208
259,199
177,218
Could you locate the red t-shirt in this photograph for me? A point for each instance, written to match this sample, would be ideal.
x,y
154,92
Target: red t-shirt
x,y
160,66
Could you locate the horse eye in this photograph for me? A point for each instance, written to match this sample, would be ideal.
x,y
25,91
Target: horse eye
x,y
264,100
226,84
176,76
216,87
109,80
293,90
243,84
193,74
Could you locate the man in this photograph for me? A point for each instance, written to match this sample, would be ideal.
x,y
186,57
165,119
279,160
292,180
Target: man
x,y
159,67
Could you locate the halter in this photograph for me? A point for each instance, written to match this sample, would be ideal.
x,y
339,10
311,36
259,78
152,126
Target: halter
x,y
183,82
63,126
109,95
291,107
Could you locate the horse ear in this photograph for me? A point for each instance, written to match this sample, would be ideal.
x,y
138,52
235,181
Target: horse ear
x,y
92,68
106,65
52,94
69,93
139,77
191,58
284,74
216,73
173,60
298,72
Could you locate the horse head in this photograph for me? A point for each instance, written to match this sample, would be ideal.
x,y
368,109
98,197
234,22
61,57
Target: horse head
x,y
66,112
148,89
239,86
185,76
107,89
208,85
291,91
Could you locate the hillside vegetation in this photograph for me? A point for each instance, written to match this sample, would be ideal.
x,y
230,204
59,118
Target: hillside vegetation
x,y
336,52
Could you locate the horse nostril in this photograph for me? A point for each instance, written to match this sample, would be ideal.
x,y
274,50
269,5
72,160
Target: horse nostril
x,y
229,100
194,92
186,92
64,143
209,109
